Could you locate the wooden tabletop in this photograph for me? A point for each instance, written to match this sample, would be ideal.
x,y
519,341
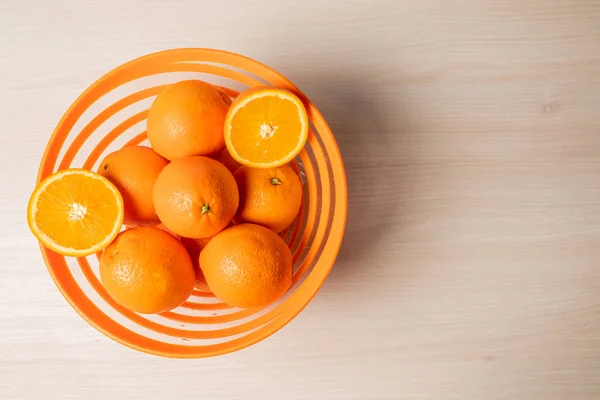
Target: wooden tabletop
x,y
470,131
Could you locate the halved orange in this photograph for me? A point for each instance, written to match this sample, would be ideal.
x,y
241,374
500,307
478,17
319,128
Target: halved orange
x,y
266,127
75,212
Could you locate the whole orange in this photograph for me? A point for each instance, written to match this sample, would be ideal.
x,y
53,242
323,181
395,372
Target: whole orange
x,y
186,119
247,265
194,247
195,197
147,270
133,170
224,95
270,197
227,160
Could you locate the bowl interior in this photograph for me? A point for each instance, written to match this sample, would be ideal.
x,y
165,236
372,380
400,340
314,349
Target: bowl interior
x,y
112,113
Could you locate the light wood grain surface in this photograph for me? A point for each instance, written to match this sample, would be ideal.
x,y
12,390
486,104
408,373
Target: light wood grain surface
x,y
471,136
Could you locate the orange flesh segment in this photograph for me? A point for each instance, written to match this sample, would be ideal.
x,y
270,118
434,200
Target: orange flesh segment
x,y
267,129
77,213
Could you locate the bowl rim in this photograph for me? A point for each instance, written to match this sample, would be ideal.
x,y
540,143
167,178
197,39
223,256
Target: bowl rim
x,y
79,300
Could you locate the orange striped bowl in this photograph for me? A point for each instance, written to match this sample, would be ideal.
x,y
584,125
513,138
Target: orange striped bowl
x,y
112,113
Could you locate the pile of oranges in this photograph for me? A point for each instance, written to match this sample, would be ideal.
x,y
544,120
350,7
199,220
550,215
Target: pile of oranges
x,y
203,207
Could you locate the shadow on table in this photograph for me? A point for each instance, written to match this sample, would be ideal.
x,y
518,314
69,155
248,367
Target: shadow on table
x,y
359,119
